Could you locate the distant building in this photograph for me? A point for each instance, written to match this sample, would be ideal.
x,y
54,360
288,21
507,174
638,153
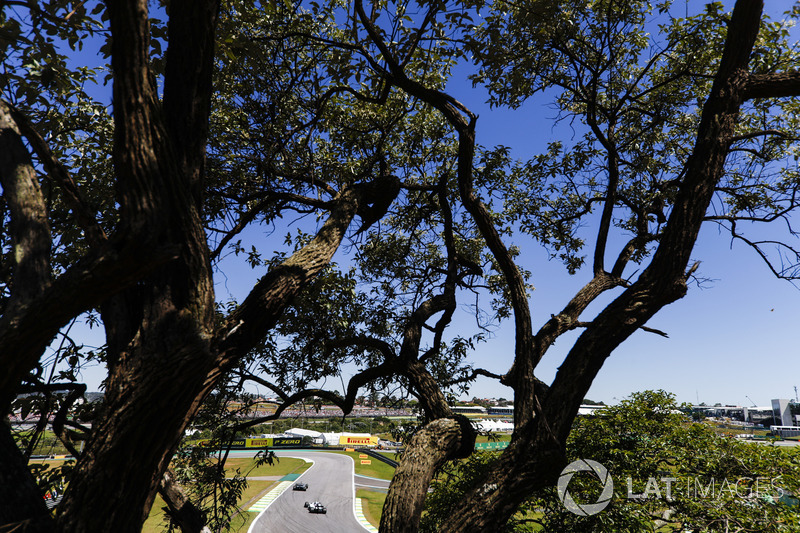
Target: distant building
x,y
781,413
497,410
315,436
785,431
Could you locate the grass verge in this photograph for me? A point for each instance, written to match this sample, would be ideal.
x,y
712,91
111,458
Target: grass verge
x,y
372,504
377,469
156,521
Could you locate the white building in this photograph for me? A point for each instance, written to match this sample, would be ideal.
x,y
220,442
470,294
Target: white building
x,y
316,436
782,413
492,425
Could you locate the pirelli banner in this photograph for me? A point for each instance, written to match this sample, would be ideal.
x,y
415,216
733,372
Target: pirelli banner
x,y
358,441
282,441
277,442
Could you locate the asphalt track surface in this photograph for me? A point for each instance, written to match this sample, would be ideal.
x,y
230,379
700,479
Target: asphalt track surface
x,y
330,481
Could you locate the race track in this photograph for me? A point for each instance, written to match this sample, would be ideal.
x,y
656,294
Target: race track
x,y
330,481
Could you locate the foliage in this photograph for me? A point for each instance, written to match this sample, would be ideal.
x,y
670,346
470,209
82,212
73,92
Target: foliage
x,y
212,489
635,93
282,128
669,475
323,112
41,79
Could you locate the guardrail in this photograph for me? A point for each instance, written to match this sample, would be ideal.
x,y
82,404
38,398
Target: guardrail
x,y
379,456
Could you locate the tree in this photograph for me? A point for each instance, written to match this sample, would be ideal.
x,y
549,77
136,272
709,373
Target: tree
x,y
682,476
336,111
146,264
592,50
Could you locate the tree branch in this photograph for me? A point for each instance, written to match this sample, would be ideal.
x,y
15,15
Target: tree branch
x,y
30,238
263,306
250,215
187,84
346,404
59,174
776,85
30,229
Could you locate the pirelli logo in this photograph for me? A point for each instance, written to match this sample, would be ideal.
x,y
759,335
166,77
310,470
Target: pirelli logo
x,y
358,441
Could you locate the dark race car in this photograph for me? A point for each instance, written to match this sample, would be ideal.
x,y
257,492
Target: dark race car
x,y
300,486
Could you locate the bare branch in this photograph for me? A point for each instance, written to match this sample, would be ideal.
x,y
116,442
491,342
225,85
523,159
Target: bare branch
x,y
776,85
474,374
250,215
762,133
346,404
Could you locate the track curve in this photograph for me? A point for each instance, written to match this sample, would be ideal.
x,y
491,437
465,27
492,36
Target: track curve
x,y
330,481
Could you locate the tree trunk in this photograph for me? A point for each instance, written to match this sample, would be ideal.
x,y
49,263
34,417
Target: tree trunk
x,y
159,332
528,463
181,510
428,449
447,437
131,446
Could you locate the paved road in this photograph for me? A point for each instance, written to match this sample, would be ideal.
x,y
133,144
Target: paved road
x,y
330,481
378,485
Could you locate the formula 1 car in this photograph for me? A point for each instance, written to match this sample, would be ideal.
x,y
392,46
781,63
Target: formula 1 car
x,y
316,507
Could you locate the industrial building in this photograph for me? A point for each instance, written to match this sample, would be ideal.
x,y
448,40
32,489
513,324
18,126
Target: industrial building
x,y
778,413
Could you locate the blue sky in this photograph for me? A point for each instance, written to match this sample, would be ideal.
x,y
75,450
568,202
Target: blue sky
x,y
733,338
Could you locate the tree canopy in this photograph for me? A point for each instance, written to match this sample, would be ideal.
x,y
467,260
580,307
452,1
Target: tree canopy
x,y
332,127
668,475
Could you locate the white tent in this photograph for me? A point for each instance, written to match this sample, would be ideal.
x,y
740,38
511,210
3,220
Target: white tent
x,y
492,425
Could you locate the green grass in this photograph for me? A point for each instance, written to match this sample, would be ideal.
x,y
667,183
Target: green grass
x,y
372,504
48,444
495,437
377,469
254,491
282,466
156,522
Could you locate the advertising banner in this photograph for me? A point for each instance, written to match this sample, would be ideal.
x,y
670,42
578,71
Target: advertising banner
x,y
260,443
287,441
358,441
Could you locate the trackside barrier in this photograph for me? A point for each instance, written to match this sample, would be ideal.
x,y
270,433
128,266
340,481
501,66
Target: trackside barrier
x,y
272,442
501,445
379,457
